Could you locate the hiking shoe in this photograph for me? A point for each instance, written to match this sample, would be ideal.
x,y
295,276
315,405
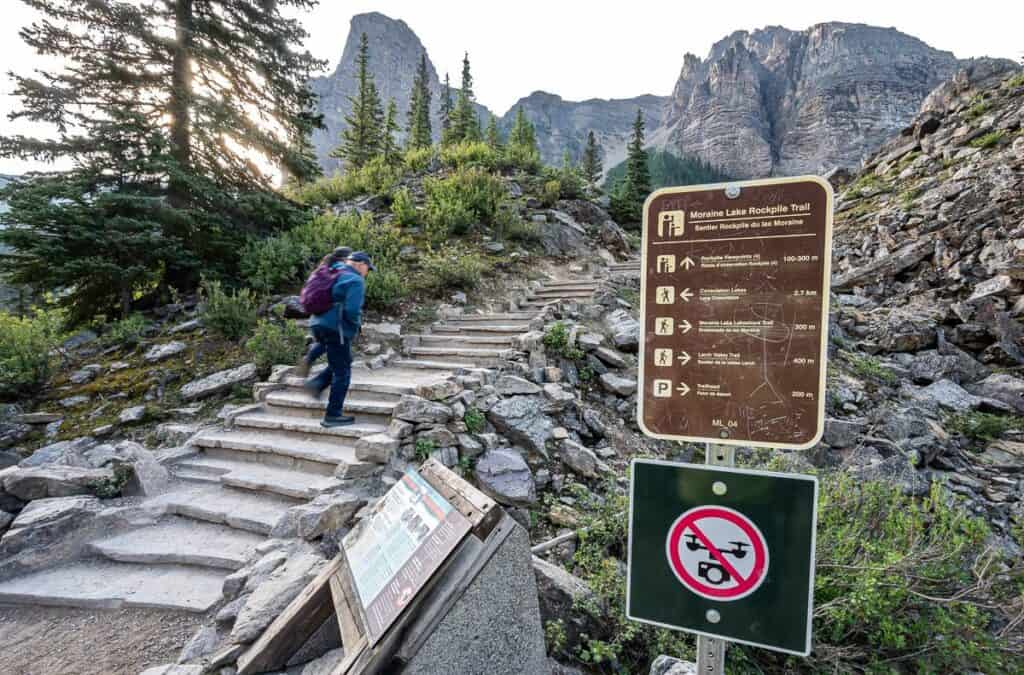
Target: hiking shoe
x,y
313,388
342,421
302,368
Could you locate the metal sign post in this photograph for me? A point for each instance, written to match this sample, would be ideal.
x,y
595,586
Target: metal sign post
x,y
711,651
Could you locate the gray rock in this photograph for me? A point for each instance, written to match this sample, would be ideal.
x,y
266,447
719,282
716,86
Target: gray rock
x,y
948,394
580,459
75,401
593,421
624,329
149,476
522,420
52,480
47,531
1001,387
421,411
590,341
173,669
132,415
218,382
400,429
438,436
558,398
326,513
381,331
12,433
666,665
85,375
324,665
469,446
504,475
376,448
204,642
175,433
611,357
165,351
510,385
38,418
188,326
271,597
621,386
559,592
447,456
439,391
843,433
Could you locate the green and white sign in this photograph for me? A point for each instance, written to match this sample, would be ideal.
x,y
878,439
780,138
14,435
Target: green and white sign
x,y
722,552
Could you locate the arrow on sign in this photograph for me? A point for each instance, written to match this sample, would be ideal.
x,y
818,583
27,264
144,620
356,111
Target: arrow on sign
x,y
685,294
687,262
683,389
684,358
684,326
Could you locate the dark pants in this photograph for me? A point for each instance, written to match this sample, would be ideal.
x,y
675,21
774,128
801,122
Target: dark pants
x,y
338,373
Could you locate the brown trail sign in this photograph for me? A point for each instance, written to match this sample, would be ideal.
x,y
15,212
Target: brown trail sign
x,y
734,312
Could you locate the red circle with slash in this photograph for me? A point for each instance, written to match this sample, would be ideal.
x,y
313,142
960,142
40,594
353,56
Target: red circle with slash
x,y
712,561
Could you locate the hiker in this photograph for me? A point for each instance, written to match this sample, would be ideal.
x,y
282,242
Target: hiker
x,y
339,255
334,329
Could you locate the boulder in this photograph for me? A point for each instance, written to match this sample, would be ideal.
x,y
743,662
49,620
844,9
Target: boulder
x,y
590,341
75,401
159,353
843,433
666,665
291,308
53,480
580,459
469,446
202,643
376,448
12,433
271,597
326,513
47,531
621,386
421,411
38,418
173,669
624,329
439,437
948,394
186,326
69,453
505,476
559,592
218,382
611,357
510,385
132,415
558,398
1001,387
175,433
522,419
86,374
439,391
381,331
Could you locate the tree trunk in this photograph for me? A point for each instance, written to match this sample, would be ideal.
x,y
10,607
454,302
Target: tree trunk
x,y
181,98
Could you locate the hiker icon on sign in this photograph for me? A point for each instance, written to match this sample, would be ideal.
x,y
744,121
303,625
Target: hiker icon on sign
x,y
671,223
717,553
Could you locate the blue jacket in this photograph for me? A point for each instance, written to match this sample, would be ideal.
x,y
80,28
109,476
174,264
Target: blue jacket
x,y
345,315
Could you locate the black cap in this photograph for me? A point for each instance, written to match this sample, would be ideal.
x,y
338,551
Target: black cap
x,y
360,256
341,253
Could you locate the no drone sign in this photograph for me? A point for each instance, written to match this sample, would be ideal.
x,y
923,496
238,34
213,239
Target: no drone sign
x,y
722,552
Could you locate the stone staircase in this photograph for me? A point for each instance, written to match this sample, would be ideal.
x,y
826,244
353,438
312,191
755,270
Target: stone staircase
x,y
232,485
628,267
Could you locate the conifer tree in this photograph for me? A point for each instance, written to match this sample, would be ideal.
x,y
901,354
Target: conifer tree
x,y
361,139
389,150
521,150
493,136
447,108
465,125
419,108
629,196
591,166
153,110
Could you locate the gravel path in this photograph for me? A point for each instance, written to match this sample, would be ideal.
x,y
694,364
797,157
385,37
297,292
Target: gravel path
x,y
62,641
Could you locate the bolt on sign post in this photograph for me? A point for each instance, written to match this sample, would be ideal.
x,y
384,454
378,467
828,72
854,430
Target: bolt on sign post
x,y
725,553
734,312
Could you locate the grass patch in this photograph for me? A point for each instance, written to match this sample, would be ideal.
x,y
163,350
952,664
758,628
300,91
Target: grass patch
x,y
377,177
870,368
424,447
474,420
981,426
989,140
1016,81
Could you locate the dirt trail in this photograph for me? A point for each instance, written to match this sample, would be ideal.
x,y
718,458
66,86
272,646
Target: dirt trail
x,y
62,641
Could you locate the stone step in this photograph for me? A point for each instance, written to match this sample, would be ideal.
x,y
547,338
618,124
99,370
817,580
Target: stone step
x,y
510,317
317,454
102,584
180,541
501,330
561,293
395,381
355,403
573,283
258,478
268,418
431,364
216,503
478,356
501,341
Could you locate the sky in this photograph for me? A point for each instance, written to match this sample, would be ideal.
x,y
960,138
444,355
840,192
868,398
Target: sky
x,y
588,50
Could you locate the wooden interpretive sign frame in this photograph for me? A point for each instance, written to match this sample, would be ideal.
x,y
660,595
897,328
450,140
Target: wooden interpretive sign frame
x,y
333,592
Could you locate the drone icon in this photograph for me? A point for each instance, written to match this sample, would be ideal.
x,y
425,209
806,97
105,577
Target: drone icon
x,y
713,572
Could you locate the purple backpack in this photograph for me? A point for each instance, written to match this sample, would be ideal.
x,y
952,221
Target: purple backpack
x,y
316,293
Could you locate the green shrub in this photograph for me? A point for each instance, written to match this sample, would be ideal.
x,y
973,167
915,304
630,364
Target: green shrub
x,y
557,340
403,209
26,344
551,192
522,157
423,449
981,426
377,177
451,267
126,332
1016,81
229,315
989,140
386,287
979,106
418,160
869,368
283,261
273,343
474,420
469,153
109,488
454,204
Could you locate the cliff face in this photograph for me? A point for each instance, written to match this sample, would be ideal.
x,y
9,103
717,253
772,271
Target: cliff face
x,y
563,125
777,101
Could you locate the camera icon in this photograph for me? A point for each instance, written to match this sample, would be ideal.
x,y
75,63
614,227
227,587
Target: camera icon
x,y
713,573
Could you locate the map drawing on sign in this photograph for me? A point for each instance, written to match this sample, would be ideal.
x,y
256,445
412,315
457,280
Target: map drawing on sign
x,y
717,553
737,287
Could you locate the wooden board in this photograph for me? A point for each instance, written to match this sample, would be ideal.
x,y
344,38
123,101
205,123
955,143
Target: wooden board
x,y
478,508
